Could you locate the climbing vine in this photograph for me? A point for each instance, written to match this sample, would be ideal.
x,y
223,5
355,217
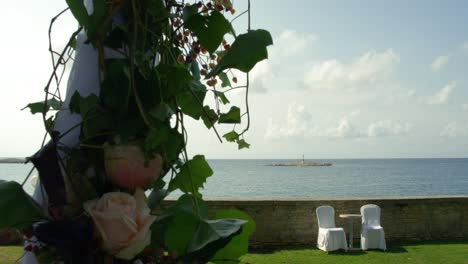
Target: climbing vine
x,y
168,57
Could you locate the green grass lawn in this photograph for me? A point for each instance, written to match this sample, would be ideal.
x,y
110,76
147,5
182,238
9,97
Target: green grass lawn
x,y
418,253
10,254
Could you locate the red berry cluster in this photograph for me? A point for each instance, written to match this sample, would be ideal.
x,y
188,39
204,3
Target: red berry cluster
x,y
225,5
187,38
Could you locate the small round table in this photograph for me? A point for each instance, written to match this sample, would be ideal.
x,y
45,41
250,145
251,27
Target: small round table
x,y
350,218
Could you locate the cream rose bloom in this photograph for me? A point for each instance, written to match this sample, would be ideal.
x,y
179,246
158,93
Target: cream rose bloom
x,y
123,222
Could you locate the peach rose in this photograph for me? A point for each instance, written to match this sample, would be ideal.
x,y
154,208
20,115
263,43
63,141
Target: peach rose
x,y
122,221
125,166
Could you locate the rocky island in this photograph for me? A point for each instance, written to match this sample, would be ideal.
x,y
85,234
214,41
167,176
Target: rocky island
x,y
12,160
302,164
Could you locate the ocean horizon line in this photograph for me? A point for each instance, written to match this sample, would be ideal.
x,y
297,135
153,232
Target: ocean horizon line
x,y
19,160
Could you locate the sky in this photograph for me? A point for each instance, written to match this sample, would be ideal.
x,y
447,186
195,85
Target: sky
x,y
344,79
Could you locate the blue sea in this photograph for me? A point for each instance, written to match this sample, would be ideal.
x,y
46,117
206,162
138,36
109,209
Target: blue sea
x,y
346,178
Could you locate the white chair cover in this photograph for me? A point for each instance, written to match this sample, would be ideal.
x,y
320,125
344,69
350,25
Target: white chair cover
x,y
330,237
372,233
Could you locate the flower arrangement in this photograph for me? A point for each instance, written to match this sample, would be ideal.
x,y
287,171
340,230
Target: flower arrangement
x,y
158,62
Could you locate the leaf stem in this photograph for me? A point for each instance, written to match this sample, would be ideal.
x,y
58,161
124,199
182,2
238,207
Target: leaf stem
x,y
27,177
52,52
247,80
194,191
132,68
44,111
207,115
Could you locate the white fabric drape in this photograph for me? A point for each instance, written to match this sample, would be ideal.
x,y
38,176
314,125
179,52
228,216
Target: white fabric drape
x,y
330,237
84,79
372,233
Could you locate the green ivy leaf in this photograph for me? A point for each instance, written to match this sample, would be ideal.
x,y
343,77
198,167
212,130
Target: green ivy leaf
x,y
38,107
221,53
75,101
96,19
115,89
165,140
186,203
239,245
242,144
96,122
162,112
209,117
79,11
210,29
157,136
245,52
155,197
231,117
18,209
129,126
210,237
77,164
49,124
192,175
88,103
54,104
224,79
173,146
222,97
178,78
191,101
195,70
95,119
231,136
158,229
183,223
73,43
158,10
180,231
211,230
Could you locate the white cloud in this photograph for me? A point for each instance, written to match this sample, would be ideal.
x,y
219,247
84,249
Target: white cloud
x,y
259,76
465,46
344,129
454,129
298,124
289,43
384,128
439,63
441,97
367,69
464,107
450,130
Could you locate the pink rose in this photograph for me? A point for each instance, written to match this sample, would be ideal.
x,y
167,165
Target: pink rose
x,y
122,221
125,165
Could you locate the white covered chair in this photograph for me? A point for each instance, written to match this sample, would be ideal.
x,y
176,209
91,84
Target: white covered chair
x,y
330,237
372,233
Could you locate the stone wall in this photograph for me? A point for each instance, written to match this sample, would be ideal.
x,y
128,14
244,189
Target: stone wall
x,y
282,223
